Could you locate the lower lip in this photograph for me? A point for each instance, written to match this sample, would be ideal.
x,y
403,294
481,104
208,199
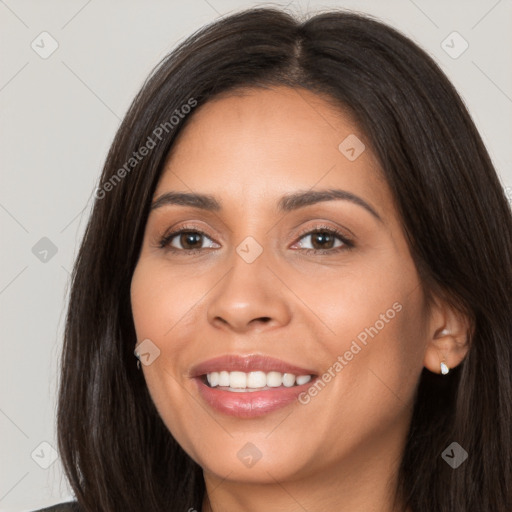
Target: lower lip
x,y
250,404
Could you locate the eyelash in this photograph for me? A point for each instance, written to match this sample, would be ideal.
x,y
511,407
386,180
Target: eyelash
x,y
347,243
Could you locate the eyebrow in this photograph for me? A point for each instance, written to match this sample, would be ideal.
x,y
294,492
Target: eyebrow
x,y
287,203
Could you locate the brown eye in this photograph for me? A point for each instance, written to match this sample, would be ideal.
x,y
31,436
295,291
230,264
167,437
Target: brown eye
x,y
186,240
324,239
190,240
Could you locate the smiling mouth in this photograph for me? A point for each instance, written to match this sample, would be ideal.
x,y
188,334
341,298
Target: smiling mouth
x,y
250,386
243,382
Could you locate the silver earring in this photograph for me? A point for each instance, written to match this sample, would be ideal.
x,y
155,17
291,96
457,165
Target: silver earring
x,y
136,354
444,368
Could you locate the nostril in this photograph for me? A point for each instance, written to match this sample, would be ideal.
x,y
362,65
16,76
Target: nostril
x,y
261,319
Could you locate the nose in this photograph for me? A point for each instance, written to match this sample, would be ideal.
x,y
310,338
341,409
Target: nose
x,y
249,297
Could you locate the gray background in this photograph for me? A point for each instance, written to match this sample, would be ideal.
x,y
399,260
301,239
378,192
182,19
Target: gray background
x,y
58,117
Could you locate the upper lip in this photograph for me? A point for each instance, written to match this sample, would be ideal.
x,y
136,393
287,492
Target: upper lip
x,y
247,363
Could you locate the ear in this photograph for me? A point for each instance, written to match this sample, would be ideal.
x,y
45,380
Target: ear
x,y
448,341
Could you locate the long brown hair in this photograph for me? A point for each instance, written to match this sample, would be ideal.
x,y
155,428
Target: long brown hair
x,y
117,453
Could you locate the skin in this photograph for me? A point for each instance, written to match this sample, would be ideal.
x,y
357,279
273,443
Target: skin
x,y
341,450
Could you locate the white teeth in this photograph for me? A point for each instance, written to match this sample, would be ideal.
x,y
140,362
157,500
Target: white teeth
x,y
288,380
303,379
213,379
224,379
274,379
238,381
257,380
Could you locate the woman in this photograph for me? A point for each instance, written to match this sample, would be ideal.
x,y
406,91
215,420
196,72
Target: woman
x,y
300,235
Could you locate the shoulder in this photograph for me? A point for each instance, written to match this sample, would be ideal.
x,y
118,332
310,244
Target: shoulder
x,y
69,506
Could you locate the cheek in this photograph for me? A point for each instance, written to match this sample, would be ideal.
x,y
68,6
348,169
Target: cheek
x,y
382,354
160,309
363,302
160,301
377,323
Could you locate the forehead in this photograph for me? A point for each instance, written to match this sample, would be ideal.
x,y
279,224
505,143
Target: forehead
x,y
258,144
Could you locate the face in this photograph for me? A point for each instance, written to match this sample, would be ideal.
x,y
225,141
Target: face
x,y
284,327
